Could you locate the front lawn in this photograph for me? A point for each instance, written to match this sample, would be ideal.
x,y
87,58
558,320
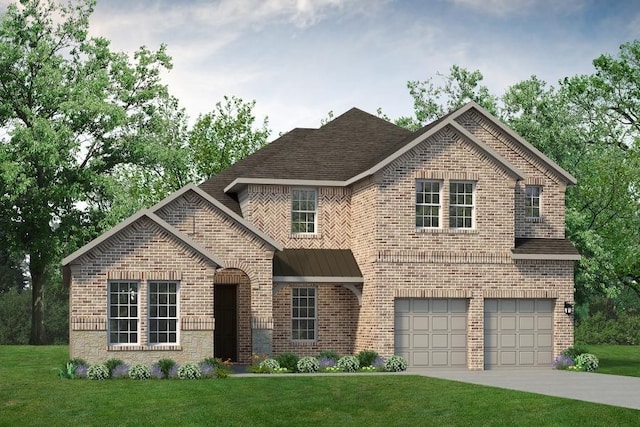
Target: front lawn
x,y
617,359
32,394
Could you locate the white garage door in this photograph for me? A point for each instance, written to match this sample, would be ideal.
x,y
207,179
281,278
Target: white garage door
x,y
431,332
518,332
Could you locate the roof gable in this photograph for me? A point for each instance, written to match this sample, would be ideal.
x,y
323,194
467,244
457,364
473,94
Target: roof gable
x,y
132,220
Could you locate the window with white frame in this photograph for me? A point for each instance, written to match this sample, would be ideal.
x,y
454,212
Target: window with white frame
x,y
163,312
461,204
303,210
532,201
428,204
123,313
303,314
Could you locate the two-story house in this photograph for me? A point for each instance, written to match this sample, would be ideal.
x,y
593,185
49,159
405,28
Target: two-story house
x,y
445,245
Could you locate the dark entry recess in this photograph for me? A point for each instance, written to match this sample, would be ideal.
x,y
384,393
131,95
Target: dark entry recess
x,y
225,310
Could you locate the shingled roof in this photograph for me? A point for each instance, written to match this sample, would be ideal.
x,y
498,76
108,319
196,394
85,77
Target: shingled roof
x,y
360,138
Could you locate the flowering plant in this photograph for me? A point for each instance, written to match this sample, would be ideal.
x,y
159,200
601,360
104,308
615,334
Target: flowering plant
x,y
348,363
120,371
395,364
269,365
587,362
189,371
139,372
308,364
97,372
326,362
562,362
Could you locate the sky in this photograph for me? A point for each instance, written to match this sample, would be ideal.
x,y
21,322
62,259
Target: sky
x,y
299,59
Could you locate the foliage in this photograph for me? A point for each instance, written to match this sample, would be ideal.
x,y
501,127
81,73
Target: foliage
x,y
308,364
395,364
120,372
165,365
574,351
367,357
586,362
562,362
288,360
15,320
189,371
326,362
598,329
139,372
329,354
68,372
213,367
225,135
269,365
348,364
70,113
111,364
98,372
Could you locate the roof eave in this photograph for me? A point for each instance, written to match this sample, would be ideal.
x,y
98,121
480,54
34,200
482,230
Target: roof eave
x,y
239,184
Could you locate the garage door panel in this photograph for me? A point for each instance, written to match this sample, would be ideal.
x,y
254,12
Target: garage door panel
x,y
518,332
421,322
432,332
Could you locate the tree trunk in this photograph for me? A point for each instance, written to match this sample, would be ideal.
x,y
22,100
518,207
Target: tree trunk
x,y
38,281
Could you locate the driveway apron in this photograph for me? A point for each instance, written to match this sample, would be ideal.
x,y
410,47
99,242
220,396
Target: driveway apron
x,y
613,390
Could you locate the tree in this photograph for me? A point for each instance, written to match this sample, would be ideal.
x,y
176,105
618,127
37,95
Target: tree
x,y
70,112
225,135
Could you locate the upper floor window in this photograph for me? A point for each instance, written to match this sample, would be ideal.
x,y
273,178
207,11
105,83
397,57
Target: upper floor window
x,y
163,313
461,204
428,204
303,211
303,314
532,201
123,313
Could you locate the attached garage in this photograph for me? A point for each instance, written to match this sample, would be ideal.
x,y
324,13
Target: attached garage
x,y
518,332
431,332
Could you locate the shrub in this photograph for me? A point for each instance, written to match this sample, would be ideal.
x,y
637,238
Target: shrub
x,y
586,362
68,371
598,329
326,362
378,363
111,364
395,364
156,372
139,372
288,360
81,371
98,372
328,354
308,364
173,372
269,365
165,366
574,351
120,371
348,364
367,357
562,362
212,367
189,371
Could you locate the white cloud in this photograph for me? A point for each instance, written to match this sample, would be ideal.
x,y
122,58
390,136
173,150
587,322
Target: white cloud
x,y
504,8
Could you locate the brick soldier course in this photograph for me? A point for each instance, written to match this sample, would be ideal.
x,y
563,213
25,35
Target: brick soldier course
x,y
361,174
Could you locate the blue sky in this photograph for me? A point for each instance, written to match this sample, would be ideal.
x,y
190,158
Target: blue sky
x,y
301,58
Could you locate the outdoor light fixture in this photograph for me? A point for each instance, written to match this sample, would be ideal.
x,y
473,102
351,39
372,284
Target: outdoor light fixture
x,y
568,308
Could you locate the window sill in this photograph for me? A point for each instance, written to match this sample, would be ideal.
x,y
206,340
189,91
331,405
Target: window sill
x,y
534,220
447,230
137,347
305,235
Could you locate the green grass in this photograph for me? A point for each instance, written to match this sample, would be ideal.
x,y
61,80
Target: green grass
x,y
617,359
31,394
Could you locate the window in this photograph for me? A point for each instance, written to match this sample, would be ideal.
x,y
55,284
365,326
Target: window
x,y
163,312
532,201
428,204
123,313
303,314
303,211
461,204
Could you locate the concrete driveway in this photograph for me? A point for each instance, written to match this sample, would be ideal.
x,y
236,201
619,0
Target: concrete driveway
x,y
613,390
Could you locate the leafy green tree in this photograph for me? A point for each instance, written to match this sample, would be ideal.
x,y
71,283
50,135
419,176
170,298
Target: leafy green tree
x,y
225,135
71,111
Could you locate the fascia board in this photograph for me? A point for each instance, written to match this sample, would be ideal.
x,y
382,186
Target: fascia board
x,y
239,183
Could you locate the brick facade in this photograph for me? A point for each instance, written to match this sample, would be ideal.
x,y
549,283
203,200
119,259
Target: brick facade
x,y
374,217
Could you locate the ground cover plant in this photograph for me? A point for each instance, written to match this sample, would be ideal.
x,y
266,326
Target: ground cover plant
x,y
29,378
